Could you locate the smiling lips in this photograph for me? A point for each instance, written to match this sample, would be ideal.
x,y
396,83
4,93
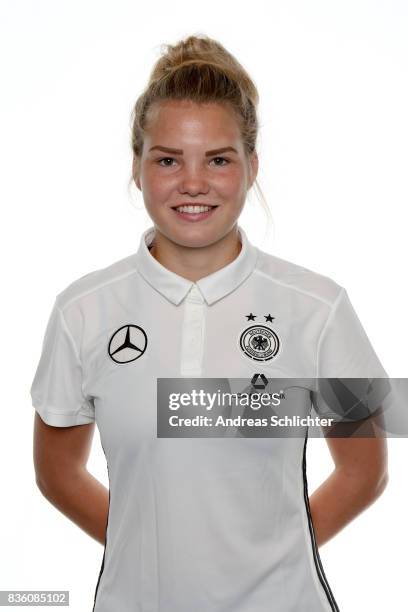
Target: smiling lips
x,y
194,212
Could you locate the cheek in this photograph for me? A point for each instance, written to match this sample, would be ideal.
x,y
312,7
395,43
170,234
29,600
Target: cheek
x,y
232,184
155,186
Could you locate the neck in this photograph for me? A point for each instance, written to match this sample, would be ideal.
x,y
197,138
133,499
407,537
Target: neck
x,y
194,263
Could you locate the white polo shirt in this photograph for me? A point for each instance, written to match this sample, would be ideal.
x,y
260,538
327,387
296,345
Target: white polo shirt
x,y
205,524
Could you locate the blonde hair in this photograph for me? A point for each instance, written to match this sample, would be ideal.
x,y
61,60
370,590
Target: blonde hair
x,y
199,69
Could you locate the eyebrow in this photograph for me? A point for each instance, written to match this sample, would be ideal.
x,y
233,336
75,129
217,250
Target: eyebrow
x,y
180,151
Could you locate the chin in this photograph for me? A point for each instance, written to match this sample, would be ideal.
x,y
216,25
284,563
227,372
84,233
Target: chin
x,y
197,236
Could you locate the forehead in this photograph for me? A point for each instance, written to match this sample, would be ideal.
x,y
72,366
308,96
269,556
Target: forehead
x,y
189,120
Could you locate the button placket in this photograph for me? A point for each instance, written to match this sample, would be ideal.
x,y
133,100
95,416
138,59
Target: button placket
x,y
192,344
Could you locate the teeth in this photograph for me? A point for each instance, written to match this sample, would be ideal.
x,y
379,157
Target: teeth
x,y
193,208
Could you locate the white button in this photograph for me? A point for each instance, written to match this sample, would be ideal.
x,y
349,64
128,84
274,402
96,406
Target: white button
x,y
195,293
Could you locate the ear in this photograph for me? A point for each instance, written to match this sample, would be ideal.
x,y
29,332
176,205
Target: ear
x,y
254,165
136,173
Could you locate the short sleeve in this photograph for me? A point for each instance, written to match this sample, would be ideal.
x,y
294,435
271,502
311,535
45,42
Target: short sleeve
x,y
351,382
56,389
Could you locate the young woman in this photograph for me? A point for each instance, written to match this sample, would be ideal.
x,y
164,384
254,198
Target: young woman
x,y
198,523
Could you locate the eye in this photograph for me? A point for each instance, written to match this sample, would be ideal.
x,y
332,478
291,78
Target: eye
x,y
164,159
223,159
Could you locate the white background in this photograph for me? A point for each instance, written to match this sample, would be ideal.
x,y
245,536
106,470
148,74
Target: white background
x,y
332,78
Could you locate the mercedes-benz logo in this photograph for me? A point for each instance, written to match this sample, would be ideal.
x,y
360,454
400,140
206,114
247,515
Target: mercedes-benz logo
x,y
128,343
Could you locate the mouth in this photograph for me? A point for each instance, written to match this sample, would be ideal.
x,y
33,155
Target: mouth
x,y
194,212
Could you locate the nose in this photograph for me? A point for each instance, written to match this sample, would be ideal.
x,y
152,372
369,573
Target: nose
x,y
193,181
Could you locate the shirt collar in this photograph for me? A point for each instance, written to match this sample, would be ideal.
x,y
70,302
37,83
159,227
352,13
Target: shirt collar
x,y
212,287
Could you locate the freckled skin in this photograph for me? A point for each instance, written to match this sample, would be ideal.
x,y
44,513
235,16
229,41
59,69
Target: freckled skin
x,y
194,250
